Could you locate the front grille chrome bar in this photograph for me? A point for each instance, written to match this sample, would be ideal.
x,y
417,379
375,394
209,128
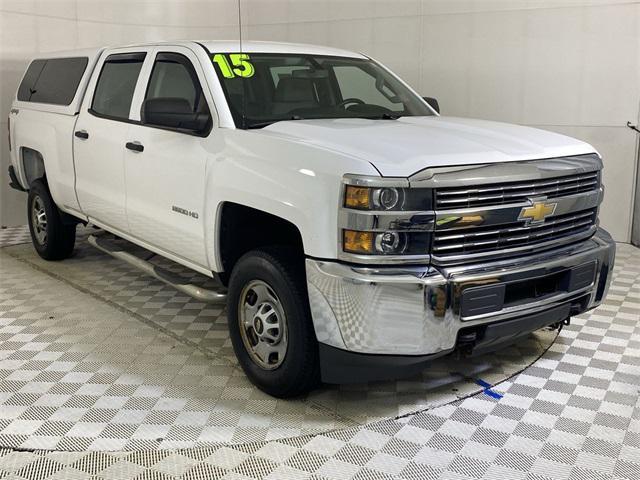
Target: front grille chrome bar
x,y
472,244
513,192
582,217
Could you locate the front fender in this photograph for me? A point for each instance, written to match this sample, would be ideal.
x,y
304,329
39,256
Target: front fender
x,y
293,181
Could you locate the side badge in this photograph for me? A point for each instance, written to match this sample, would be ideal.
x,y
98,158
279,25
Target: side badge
x,y
184,211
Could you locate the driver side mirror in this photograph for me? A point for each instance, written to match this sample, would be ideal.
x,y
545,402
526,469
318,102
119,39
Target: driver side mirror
x,y
433,103
173,112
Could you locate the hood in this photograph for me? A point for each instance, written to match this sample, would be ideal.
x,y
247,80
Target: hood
x,y
402,147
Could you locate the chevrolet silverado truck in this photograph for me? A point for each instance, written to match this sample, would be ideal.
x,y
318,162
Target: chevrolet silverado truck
x,y
355,234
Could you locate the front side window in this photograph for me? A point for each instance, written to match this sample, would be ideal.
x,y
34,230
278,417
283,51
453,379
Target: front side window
x,y
265,88
174,97
173,76
116,85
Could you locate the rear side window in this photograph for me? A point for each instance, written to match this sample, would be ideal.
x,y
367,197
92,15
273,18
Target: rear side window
x,y
52,80
116,84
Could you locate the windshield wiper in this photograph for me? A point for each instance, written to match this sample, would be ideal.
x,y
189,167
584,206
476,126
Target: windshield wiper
x,y
384,116
271,122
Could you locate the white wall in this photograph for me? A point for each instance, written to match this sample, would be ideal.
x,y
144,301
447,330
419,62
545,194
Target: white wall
x,y
571,66
28,27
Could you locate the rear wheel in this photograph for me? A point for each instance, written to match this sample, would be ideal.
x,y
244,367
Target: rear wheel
x,y
270,323
52,238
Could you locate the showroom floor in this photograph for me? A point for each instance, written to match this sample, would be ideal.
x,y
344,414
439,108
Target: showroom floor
x,y
106,373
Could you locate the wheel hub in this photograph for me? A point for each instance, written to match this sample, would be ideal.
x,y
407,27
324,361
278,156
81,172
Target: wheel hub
x,y
257,325
263,325
39,220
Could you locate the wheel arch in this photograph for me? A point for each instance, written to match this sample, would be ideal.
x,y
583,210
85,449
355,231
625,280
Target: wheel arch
x,y
241,228
33,165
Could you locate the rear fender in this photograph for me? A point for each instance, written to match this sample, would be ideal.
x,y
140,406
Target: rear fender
x,y
44,147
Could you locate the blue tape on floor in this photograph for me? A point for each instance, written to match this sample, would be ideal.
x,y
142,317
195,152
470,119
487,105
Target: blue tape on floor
x,y
487,389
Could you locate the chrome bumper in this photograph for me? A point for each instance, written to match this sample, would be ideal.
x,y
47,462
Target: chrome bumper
x,y
419,311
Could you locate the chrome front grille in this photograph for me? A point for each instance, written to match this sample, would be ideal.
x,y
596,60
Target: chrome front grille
x,y
516,235
515,192
479,215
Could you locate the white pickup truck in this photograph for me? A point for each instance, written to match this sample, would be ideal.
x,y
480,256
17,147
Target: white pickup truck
x,y
355,232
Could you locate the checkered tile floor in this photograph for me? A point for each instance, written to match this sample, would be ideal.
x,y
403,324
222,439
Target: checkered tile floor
x,y
89,363
14,235
152,368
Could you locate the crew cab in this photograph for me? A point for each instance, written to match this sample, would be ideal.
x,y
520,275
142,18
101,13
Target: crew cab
x,y
355,233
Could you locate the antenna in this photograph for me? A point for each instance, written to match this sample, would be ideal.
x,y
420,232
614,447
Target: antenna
x,y
244,84
240,23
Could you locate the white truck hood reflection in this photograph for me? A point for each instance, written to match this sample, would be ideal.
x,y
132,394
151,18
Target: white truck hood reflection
x,y
399,148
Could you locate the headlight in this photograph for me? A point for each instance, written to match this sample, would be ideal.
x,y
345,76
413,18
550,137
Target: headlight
x,y
385,243
391,242
387,198
385,218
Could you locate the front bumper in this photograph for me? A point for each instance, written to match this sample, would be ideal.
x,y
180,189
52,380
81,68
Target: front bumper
x,y
394,319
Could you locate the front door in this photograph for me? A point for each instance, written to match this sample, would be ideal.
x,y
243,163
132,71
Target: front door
x,y
99,138
165,167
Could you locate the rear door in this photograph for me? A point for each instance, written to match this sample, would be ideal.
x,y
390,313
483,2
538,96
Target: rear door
x,y
165,168
100,133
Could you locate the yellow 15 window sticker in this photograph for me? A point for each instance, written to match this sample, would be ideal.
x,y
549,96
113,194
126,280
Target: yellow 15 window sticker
x,y
234,64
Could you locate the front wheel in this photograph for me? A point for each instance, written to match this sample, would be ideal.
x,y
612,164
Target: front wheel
x,y
270,323
51,237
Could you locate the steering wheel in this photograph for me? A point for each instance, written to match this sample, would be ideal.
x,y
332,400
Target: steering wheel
x,y
347,101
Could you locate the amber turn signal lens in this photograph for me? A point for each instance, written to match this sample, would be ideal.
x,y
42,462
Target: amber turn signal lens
x,y
357,242
356,197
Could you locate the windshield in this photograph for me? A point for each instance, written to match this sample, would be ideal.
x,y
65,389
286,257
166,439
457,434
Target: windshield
x,y
265,88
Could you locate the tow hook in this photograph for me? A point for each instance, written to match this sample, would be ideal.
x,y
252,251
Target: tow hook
x,y
466,342
559,325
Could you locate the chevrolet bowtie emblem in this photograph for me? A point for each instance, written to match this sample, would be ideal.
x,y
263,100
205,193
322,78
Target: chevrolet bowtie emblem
x,y
537,212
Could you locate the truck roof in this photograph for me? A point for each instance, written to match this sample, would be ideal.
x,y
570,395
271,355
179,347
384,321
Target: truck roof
x,y
255,46
222,46
275,47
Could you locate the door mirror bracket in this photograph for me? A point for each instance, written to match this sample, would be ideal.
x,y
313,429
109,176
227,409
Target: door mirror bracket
x,y
433,103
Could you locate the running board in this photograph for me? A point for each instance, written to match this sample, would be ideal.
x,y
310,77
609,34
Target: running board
x,y
177,282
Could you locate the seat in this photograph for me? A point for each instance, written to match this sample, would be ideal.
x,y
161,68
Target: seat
x,y
294,93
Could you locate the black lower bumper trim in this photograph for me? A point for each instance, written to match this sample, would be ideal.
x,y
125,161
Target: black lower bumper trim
x,y
342,366
495,335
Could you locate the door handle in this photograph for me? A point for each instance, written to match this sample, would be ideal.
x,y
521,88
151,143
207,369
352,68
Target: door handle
x,y
135,146
82,134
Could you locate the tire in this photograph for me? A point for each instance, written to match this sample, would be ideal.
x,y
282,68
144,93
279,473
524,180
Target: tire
x,y
268,290
52,238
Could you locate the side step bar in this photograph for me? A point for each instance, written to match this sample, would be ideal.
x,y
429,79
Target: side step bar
x,y
177,282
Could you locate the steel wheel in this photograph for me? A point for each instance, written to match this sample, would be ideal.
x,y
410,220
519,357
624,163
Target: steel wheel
x,y
53,233
39,220
263,325
270,324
